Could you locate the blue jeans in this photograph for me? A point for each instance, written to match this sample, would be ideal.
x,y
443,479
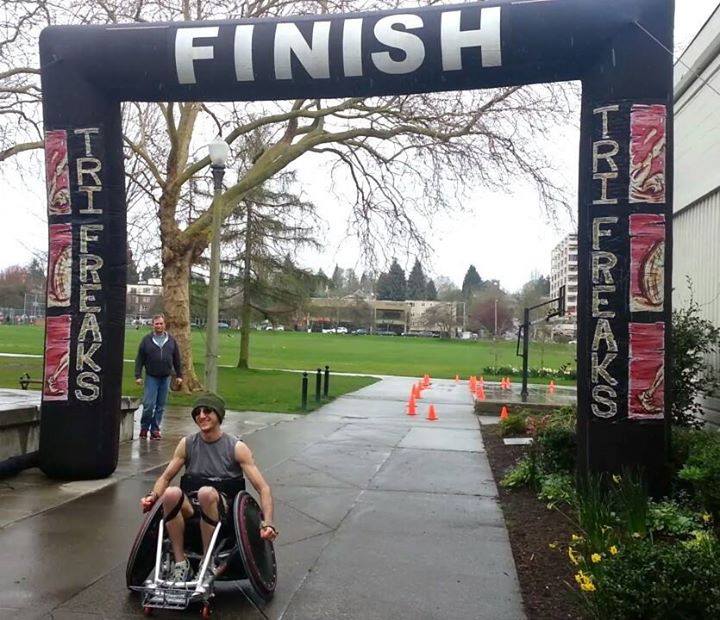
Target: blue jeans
x,y
154,399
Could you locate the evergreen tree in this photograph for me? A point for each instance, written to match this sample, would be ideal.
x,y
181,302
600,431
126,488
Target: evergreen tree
x,y
352,284
367,283
430,291
383,289
35,277
322,283
397,282
472,283
416,286
338,279
132,272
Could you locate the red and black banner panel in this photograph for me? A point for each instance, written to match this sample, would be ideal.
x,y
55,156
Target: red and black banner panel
x,y
616,48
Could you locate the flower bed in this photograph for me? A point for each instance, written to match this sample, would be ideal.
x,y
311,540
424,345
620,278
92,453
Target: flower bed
x,y
603,549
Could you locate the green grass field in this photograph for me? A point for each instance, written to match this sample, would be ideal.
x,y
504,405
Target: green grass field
x,y
343,353
245,390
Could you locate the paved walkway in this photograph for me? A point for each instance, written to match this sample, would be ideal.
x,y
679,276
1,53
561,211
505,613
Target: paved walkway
x,y
381,516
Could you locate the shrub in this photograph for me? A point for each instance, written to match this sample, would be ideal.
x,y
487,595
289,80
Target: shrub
x,y
525,473
558,449
691,377
702,470
513,425
658,581
557,489
669,518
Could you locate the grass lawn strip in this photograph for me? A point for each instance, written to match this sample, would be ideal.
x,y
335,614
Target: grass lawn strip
x,y
382,355
243,390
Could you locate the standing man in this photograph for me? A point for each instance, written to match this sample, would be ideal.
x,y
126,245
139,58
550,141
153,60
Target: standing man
x,y
159,354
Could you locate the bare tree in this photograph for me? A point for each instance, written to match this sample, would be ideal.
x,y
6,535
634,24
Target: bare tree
x,y
441,317
406,157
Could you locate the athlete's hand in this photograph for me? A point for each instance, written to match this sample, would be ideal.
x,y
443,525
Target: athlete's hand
x,y
268,533
147,502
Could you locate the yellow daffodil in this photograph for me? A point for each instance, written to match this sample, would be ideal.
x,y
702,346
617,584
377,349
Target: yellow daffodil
x,y
706,518
553,545
613,550
574,558
576,538
585,582
595,558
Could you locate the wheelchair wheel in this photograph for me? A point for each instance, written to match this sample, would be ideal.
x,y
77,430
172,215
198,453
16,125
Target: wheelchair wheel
x,y
257,554
142,554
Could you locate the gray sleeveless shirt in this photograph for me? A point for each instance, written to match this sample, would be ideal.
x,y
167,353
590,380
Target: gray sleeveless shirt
x,y
212,460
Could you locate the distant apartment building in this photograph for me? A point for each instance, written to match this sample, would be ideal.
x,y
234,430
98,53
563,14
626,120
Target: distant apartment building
x,y
144,299
564,272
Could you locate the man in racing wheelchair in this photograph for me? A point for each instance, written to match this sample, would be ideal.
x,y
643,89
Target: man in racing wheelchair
x,y
216,464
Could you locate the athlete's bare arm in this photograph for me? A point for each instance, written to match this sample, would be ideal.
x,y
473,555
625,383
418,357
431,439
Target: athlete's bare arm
x,y
163,482
244,457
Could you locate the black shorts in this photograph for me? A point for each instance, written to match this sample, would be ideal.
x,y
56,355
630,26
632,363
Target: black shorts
x,y
223,512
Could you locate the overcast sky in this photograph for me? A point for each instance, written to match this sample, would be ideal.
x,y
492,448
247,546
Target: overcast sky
x,y
504,235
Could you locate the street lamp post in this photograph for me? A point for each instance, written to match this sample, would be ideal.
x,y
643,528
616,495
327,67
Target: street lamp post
x,y
219,151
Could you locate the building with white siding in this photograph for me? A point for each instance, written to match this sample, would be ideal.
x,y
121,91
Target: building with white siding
x,y
696,220
564,272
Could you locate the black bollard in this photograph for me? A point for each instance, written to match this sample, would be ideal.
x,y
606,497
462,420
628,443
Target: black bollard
x,y
303,398
318,381
326,387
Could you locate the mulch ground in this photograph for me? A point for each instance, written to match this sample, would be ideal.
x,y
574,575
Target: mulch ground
x,y
544,573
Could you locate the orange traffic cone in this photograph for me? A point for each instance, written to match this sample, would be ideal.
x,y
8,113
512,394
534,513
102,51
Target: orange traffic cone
x,y
482,381
504,415
472,383
432,416
503,385
551,387
480,393
417,388
411,407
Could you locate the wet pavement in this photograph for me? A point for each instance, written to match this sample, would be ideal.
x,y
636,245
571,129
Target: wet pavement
x,y
381,515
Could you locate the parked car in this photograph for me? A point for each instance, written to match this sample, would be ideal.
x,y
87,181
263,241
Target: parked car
x,y
341,330
330,330
280,328
361,332
223,325
386,333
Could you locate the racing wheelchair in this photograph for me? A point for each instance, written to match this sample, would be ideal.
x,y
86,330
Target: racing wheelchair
x,y
236,553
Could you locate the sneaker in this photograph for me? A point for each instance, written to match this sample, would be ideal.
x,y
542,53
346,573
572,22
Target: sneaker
x,y
155,435
182,571
143,433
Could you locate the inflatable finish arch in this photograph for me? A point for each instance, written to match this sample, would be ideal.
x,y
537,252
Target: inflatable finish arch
x,y
614,47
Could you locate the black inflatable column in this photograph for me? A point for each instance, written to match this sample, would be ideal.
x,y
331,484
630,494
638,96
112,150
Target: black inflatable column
x,y
84,328
625,250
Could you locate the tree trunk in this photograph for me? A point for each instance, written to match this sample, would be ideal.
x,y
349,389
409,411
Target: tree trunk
x,y
244,360
176,300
